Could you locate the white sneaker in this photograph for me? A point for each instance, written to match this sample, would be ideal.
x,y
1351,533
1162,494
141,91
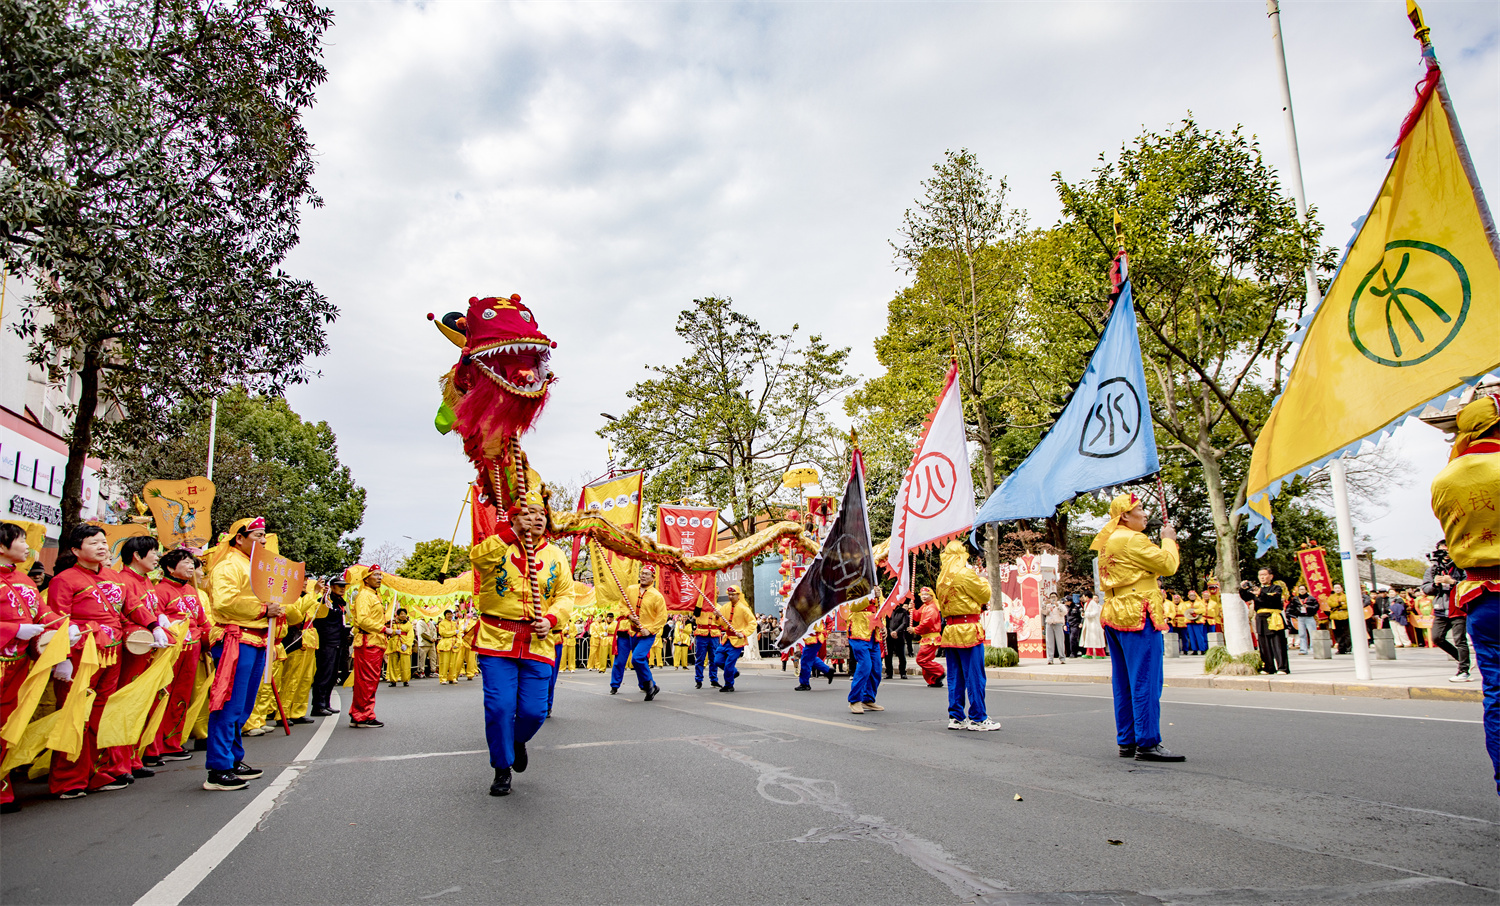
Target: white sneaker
x,y
957,724
984,725
1460,678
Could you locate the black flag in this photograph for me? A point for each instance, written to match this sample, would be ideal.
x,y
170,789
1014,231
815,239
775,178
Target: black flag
x,y
844,569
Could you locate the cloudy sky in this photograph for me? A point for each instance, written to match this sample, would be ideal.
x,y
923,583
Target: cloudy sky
x,y
611,162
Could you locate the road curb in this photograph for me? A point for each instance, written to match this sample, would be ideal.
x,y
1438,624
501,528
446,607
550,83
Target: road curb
x,y
1264,684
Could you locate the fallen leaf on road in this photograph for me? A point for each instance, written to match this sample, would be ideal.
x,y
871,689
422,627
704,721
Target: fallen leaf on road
x,y
1115,842
1018,797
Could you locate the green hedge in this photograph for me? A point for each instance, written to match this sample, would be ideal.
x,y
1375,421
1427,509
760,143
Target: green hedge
x,y
1001,657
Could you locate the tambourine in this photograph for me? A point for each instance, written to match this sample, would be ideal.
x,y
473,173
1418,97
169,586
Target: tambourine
x,y
139,642
43,640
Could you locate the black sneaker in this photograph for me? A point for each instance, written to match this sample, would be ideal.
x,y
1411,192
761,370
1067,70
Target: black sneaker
x,y
1157,752
520,759
804,687
119,783
829,674
403,682
727,689
698,685
178,755
652,692
302,720
245,772
224,780
126,779
501,786
1127,751
367,724
614,690
142,773
153,761
9,808
714,683
73,794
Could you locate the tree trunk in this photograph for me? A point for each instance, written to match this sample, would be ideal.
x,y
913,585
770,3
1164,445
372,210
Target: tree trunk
x,y
1057,532
1236,618
79,442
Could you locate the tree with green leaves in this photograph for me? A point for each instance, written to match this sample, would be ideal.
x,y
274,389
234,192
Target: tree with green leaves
x,y
267,462
967,253
1218,258
724,425
428,560
156,168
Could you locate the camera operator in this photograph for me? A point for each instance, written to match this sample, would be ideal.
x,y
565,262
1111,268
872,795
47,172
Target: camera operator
x,y
1442,574
1268,600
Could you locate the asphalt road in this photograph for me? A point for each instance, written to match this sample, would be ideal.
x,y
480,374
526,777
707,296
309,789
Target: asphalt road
x,y
776,796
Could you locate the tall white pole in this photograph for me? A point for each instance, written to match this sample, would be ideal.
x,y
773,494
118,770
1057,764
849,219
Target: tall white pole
x,y
213,432
1337,476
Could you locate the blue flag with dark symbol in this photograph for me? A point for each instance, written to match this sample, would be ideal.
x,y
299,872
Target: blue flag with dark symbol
x,y
843,571
1102,438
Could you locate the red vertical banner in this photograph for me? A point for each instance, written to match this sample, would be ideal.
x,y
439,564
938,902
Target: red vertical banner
x,y
1315,571
695,530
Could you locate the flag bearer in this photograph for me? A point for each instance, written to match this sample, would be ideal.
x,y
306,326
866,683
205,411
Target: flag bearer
x,y
962,595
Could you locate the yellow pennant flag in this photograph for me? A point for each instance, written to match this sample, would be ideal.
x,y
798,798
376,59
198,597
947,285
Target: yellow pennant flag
x,y
35,684
67,732
618,500
1413,312
203,683
125,714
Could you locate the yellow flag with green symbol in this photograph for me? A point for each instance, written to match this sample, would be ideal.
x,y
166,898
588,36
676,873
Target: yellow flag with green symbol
x,y
1413,312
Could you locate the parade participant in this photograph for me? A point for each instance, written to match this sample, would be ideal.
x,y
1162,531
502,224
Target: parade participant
x,y
642,617
142,612
447,648
367,624
707,627
1177,623
1466,501
302,643
569,661
1213,607
91,594
864,649
22,618
399,641
929,628
333,645
812,662
178,598
739,625
1338,614
1134,617
240,653
468,660
682,641
517,613
1268,600
962,595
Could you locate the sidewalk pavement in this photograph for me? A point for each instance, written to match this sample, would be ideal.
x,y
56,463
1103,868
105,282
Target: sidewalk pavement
x,y
1416,673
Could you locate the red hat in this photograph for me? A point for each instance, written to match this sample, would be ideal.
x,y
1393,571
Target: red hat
x,y
258,522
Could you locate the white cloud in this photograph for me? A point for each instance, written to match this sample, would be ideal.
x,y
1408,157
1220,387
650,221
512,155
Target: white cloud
x,y
611,162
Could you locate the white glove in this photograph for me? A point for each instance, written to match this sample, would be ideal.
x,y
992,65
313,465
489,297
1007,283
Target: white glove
x,y
63,671
163,622
74,634
159,637
29,631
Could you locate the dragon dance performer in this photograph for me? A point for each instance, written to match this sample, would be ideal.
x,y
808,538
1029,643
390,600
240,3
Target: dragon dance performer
x,y
178,596
928,626
636,632
812,661
1129,566
513,636
367,624
22,618
448,652
707,627
962,595
739,627
1466,500
240,653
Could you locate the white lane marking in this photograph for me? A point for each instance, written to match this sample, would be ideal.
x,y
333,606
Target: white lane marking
x,y
811,720
185,878
1175,701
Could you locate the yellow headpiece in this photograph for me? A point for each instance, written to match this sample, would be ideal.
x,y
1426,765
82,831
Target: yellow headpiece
x,y
1474,420
1117,509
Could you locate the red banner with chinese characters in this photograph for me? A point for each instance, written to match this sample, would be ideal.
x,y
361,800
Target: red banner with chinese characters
x,y
695,530
1315,572
275,578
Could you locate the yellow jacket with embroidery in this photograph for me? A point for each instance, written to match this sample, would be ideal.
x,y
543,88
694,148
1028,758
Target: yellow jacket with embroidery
x,y
651,609
1128,570
742,620
963,593
504,593
366,615
233,597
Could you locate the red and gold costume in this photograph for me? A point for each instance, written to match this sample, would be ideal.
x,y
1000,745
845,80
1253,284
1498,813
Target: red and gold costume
x,y
928,626
93,600
367,626
180,603
20,604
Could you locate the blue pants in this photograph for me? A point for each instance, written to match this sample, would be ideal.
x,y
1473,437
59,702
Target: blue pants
x,y
1484,630
225,748
1135,659
966,682
865,656
552,683
726,660
515,703
811,661
705,651
639,652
